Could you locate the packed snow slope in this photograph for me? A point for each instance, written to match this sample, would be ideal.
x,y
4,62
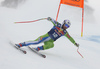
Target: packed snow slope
x,y
64,54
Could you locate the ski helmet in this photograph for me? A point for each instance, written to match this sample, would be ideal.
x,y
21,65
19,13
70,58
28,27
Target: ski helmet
x,y
66,23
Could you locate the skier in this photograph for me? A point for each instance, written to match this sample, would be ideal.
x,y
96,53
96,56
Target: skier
x,y
56,32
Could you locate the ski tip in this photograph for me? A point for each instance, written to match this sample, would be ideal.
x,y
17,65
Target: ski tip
x,y
24,52
44,56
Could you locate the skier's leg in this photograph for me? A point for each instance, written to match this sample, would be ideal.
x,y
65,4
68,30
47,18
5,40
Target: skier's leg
x,y
48,44
41,39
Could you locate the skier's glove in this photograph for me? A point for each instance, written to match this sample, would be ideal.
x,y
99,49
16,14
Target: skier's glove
x,y
49,18
77,44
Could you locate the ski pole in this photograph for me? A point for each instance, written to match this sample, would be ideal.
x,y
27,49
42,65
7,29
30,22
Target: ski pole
x,y
79,53
31,21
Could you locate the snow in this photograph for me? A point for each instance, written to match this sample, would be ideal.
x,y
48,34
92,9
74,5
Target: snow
x,y
64,54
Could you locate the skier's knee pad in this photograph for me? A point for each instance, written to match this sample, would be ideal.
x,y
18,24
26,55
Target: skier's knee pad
x,y
48,45
51,45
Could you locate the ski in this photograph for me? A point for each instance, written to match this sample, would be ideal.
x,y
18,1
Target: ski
x,y
23,51
38,53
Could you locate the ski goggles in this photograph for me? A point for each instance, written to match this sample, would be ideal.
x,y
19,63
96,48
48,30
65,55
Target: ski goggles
x,y
67,25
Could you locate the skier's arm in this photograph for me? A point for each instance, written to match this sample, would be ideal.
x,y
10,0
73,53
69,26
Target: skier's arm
x,y
71,39
52,20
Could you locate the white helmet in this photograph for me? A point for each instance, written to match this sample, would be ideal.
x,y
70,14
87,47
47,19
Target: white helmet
x,y
66,23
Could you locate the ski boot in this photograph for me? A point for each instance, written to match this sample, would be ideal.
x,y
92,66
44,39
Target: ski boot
x,y
39,48
20,44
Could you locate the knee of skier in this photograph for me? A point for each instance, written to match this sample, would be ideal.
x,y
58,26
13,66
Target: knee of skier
x,y
51,45
39,40
48,45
